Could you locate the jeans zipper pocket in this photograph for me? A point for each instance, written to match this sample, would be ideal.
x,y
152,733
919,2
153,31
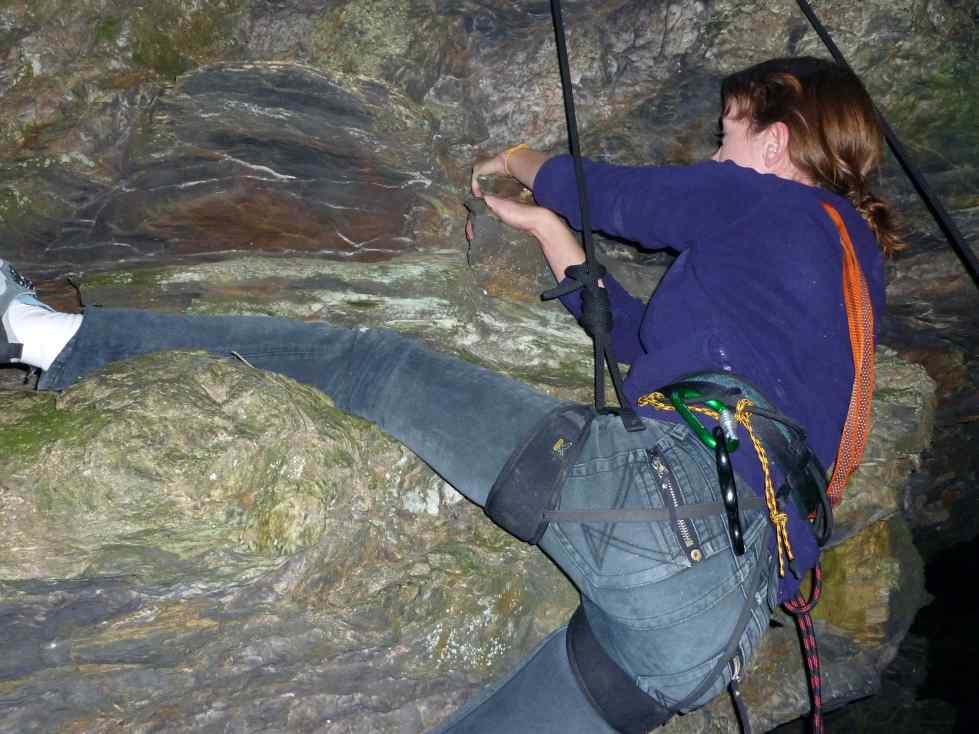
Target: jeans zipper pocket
x,y
683,529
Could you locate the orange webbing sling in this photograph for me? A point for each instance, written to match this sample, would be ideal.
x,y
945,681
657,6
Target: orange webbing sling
x,y
860,315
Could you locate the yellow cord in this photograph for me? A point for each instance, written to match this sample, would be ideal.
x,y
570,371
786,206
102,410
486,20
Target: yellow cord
x,y
508,153
742,413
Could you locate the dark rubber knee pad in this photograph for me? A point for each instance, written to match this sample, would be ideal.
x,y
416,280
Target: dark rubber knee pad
x,y
530,483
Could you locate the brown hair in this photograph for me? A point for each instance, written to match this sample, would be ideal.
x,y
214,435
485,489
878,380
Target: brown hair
x,y
834,134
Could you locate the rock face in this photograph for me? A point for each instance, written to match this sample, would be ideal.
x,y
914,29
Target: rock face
x,y
309,159
220,528
190,539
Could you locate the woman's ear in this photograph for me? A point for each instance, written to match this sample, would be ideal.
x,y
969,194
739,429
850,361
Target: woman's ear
x,y
776,146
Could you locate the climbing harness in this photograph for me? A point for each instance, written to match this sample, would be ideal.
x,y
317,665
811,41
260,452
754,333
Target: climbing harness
x,y
530,482
812,475
624,705
526,498
853,441
965,254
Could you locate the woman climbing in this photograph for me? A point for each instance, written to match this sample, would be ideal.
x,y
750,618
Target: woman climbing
x,y
756,294
673,605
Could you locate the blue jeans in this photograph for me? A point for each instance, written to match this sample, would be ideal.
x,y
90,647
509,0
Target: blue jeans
x,y
666,618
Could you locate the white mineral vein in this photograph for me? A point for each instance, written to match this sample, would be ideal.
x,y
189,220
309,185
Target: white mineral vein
x,y
262,169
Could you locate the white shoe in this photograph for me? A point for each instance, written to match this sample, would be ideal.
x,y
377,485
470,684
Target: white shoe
x,y
12,285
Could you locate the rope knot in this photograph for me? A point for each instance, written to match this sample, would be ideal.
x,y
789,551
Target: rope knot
x,y
596,311
742,412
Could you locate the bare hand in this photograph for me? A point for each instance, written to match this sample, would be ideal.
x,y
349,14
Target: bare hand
x,y
486,167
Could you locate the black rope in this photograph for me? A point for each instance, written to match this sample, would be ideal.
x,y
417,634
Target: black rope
x,y
596,312
934,204
572,122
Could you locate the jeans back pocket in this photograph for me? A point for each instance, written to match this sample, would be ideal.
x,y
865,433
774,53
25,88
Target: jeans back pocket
x,y
612,554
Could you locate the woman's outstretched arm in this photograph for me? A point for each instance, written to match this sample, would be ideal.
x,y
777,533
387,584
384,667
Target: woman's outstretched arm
x,y
557,242
520,162
561,250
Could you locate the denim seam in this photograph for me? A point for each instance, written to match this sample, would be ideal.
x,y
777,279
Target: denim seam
x,y
711,597
717,594
741,570
695,671
264,352
589,467
757,617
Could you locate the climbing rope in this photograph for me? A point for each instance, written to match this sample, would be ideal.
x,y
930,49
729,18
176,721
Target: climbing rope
x,y
742,414
860,319
596,312
801,610
934,204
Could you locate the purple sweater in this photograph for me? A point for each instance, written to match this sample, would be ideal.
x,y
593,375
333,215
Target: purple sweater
x,y
756,290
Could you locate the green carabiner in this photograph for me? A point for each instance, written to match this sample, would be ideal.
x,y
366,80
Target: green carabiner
x,y
679,398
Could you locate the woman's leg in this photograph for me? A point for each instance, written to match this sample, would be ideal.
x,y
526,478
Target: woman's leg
x,y
463,420
540,697
666,622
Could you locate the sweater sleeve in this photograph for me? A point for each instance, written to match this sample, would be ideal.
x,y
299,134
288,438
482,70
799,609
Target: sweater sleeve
x,y
627,315
655,206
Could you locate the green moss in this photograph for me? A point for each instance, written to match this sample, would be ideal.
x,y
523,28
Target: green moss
x,y
360,37
32,135
873,582
37,422
284,523
151,278
108,29
170,38
364,304
157,51
567,370
102,280
957,88
26,201
13,204
340,457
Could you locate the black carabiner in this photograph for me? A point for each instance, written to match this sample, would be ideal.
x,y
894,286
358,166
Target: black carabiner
x,y
729,491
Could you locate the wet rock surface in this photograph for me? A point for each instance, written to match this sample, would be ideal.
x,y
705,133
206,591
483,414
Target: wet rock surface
x,y
309,159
